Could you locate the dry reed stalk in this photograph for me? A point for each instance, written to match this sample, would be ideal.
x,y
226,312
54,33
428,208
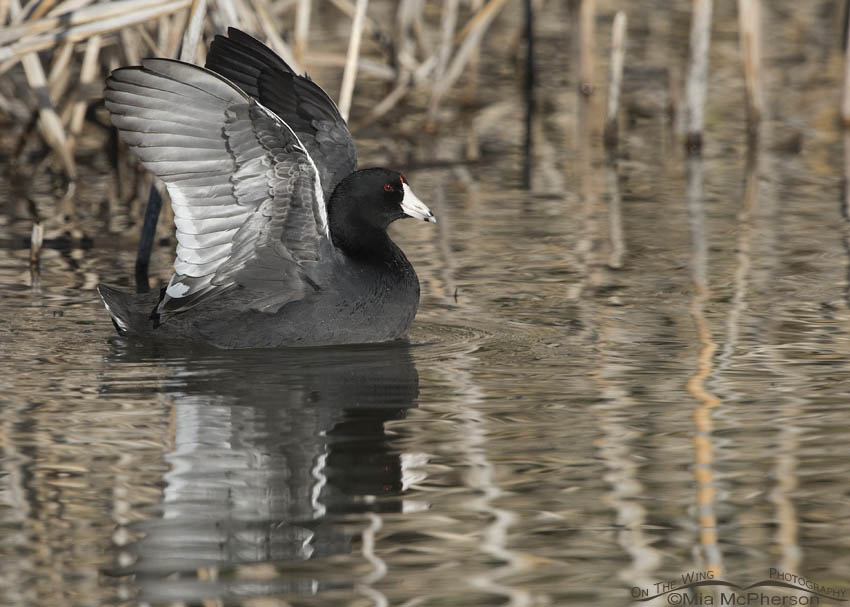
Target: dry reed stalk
x,y
674,99
175,35
4,10
82,32
14,108
618,50
474,59
530,97
49,122
69,6
130,45
347,8
163,29
36,242
697,74
247,17
419,32
8,64
448,24
386,104
615,218
468,38
587,45
75,17
398,93
16,12
302,29
281,7
41,9
59,67
846,209
749,19
147,39
87,76
370,66
845,102
405,44
267,22
485,13
471,36
370,27
201,55
405,54
349,75
59,85
192,36
228,12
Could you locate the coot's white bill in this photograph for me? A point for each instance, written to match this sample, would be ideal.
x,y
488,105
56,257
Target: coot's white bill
x,y
413,207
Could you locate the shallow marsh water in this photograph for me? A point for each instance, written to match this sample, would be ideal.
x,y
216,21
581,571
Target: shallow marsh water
x,y
632,371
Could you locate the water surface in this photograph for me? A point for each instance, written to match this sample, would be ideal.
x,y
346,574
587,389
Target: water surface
x,y
632,370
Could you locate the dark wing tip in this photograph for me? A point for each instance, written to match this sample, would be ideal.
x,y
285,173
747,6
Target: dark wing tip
x,y
116,303
238,41
236,34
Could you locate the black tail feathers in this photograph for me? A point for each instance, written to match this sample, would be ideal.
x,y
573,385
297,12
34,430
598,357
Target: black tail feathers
x,y
118,304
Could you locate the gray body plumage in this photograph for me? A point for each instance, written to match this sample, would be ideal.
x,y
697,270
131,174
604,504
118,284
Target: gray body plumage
x,y
379,312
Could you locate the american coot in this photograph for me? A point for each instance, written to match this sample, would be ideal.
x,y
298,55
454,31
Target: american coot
x,y
250,152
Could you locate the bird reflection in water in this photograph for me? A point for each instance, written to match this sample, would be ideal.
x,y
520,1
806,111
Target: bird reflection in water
x,y
271,451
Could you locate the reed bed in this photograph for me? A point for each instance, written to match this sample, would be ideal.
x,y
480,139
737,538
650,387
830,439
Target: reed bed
x,y
55,54
60,51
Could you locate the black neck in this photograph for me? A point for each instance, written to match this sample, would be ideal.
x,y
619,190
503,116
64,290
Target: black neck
x,y
360,240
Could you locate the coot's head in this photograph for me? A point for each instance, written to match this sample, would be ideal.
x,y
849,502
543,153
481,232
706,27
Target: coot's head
x,y
366,202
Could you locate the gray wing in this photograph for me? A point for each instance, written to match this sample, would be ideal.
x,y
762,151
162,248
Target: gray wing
x,y
297,100
247,197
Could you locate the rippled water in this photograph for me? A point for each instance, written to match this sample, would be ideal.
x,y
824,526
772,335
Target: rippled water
x,y
632,371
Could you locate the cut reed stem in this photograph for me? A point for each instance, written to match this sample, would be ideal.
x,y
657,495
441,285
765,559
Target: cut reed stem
x,y
36,242
350,74
587,37
530,99
302,29
448,23
618,50
749,19
697,74
192,37
845,102
87,76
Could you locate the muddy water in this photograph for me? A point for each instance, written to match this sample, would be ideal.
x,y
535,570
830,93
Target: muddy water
x,y
632,371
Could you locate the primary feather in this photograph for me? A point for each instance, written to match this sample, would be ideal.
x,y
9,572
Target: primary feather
x,y
296,100
248,200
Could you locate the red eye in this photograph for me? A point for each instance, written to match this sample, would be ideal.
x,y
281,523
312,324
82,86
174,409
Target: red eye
x,y
388,187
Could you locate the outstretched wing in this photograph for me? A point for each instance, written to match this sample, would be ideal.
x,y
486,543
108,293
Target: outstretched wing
x,y
297,100
248,203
